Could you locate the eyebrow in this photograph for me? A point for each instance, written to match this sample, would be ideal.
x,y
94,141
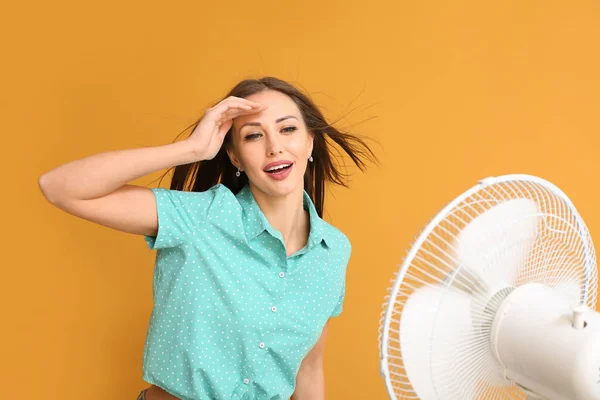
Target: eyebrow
x,y
278,120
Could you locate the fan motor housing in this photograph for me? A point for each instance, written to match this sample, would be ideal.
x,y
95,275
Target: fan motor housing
x,y
534,338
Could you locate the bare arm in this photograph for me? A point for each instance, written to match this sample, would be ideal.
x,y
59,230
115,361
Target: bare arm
x,y
310,381
96,188
101,174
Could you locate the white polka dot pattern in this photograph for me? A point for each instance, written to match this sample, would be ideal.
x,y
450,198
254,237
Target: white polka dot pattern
x,y
233,315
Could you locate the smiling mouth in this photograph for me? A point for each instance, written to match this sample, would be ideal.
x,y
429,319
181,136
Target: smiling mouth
x,y
279,169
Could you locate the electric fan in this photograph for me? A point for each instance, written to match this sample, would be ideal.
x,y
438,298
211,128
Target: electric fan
x,y
495,300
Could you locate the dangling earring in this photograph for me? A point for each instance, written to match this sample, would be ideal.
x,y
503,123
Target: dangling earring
x,y
310,158
237,173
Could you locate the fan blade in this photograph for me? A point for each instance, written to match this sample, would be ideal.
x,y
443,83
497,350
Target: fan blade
x,y
495,245
427,359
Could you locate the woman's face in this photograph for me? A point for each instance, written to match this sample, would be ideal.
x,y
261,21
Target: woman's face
x,y
276,136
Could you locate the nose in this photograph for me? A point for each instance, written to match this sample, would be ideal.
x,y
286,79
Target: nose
x,y
273,144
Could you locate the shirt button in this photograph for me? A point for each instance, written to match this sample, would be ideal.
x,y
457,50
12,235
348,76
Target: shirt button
x,y
281,274
246,381
274,309
261,345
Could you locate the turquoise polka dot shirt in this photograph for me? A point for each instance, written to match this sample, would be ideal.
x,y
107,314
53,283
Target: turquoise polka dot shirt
x,y
233,315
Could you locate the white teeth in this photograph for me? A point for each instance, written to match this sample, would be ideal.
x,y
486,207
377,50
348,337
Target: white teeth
x,y
279,167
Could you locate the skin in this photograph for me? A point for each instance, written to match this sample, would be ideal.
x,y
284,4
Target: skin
x,y
253,147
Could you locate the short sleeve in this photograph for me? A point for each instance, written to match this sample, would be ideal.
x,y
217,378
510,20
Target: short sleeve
x,y
179,214
347,251
338,308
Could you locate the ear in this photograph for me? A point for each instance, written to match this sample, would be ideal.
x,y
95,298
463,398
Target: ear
x,y
233,158
311,142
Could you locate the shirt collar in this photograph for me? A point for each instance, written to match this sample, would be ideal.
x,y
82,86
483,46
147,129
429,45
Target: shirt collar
x,y
255,221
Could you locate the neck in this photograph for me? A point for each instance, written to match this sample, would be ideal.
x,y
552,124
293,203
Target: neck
x,y
286,214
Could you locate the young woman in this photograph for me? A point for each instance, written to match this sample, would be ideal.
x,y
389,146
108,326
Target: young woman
x,y
247,272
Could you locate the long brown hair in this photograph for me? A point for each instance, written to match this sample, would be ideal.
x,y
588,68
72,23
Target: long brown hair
x,y
202,175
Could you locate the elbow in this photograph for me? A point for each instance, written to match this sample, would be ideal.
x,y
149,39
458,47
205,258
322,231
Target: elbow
x,y
44,185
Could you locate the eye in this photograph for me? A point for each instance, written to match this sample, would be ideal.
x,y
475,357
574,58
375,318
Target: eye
x,y
252,136
289,129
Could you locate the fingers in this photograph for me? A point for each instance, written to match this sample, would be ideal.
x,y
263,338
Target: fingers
x,y
223,113
232,113
235,101
234,110
223,126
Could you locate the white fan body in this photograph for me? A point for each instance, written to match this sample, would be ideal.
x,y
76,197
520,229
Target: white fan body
x,y
547,346
491,301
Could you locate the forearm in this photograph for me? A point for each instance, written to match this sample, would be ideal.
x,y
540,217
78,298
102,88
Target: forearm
x,y
310,384
103,173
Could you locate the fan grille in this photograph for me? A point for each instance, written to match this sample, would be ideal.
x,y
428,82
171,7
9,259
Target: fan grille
x,y
561,256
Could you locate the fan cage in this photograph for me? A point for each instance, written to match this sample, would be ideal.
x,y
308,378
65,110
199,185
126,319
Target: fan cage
x,y
562,257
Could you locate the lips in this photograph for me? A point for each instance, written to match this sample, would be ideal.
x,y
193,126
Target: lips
x,y
282,169
276,164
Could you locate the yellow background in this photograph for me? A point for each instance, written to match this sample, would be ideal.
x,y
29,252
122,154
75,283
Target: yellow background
x,y
460,90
